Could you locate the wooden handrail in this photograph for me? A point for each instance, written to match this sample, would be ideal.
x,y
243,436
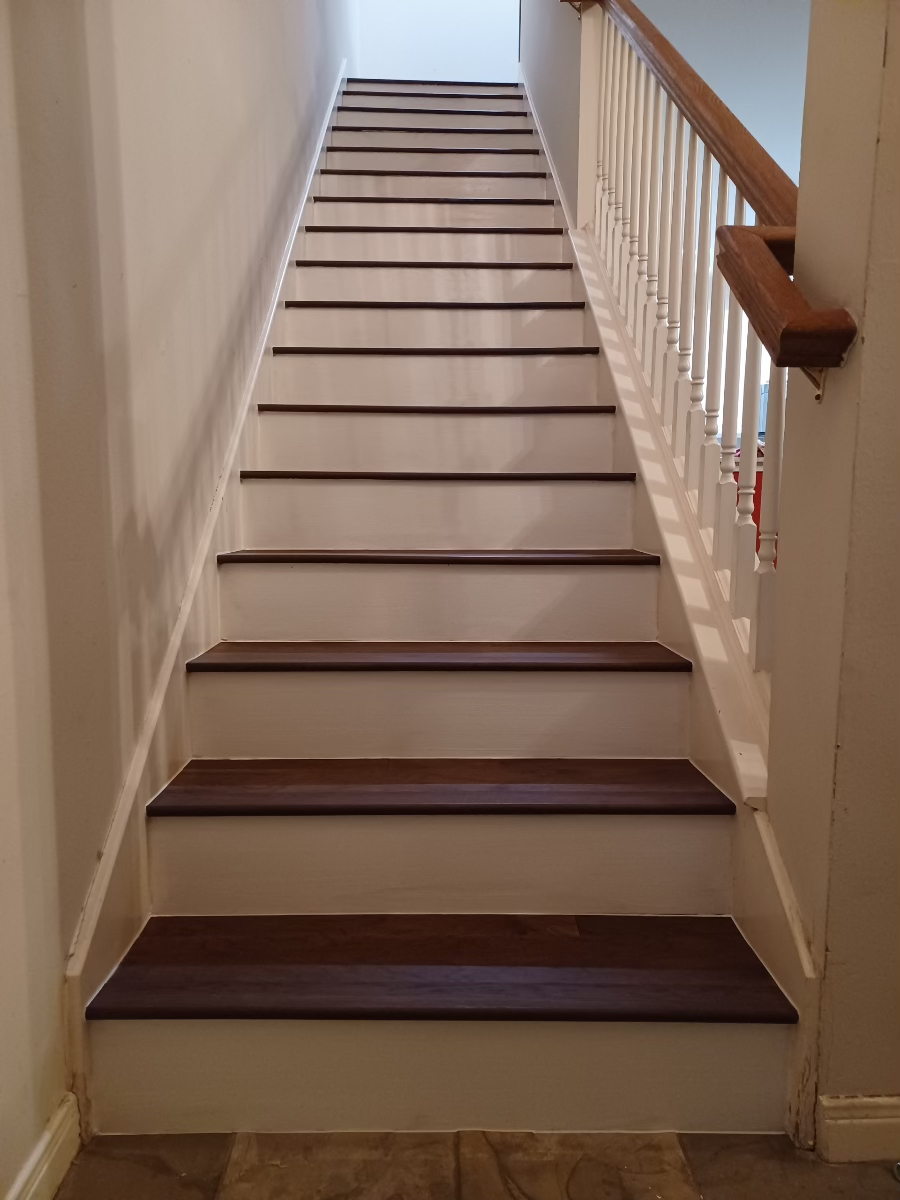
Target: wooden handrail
x,y
767,189
754,262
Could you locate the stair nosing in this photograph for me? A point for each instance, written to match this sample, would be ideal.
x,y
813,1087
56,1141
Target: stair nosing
x,y
527,201
432,149
500,477
434,174
430,95
440,351
491,83
442,265
441,558
421,657
449,305
447,410
527,230
507,113
270,791
441,130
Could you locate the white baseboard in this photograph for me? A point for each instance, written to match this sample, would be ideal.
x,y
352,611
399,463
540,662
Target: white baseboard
x,y
43,1170
858,1128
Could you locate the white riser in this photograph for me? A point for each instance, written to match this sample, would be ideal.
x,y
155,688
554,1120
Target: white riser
x,y
454,118
409,515
449,101
431,247
477,138
420,283
448,864
438,714
430,185
401,327
439,89
422,442
402,379
410,160
326,212
209,1076
397,602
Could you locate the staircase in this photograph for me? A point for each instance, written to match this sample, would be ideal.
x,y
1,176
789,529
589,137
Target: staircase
x,y
440,859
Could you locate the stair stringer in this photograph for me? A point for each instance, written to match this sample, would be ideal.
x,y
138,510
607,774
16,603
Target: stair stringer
x,y
729,714
118,901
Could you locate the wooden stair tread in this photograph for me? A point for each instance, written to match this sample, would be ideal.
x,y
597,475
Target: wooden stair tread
x,y
446,305
448,410
527,230
503,113
434,174
442,351
470,967
450,558
488,200
439,656
437,129
491,83
454,476
432,95
441,265
432,787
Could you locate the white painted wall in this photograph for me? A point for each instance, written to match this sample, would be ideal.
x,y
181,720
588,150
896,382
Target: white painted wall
x,y
468,39
752,53
153,157
551,65
32,1079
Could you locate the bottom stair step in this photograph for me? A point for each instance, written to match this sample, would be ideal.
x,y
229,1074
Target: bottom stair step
x,y
485,1022
441,967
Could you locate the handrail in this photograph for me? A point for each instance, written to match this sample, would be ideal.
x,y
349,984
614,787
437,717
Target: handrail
x,y
767,189
752,262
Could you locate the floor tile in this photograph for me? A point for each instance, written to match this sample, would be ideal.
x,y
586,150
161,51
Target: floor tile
x,y
748,1167
337,1166
184,1167
548,1166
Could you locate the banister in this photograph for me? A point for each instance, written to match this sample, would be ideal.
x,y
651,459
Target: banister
x,y
754,262
767,189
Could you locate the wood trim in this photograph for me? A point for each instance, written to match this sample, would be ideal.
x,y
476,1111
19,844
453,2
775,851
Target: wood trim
x,y
445,558
440,351
332,149
487,201
428,129
768,190
528,230
793,333
499,477
447,305
436,174
460,83
476,112
449,410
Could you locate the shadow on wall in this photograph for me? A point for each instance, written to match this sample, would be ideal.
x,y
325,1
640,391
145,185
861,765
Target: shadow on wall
x,y
155,218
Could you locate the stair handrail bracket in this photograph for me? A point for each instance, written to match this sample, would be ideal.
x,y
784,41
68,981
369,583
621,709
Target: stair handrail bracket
x,y
695,226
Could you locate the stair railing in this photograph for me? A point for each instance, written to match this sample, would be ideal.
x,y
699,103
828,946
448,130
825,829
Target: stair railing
x,y
694,222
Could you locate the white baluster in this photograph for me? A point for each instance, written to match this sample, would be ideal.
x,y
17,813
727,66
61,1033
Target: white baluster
x,y
637,154
621,91
670,358
710,452
606,68
682,397
628,156
648,317
660,327
743,552
694,422
648,152
726,490
762,629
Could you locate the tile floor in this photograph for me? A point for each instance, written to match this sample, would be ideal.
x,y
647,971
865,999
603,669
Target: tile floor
x,y
465,1166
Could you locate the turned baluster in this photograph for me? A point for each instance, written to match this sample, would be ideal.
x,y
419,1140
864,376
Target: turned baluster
x,y
710,451
646,318
637,155
693,437
726,488
682,390
743,552
762,630
661,317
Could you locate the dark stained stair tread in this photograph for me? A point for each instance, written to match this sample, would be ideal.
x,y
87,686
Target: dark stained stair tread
x,y
462,83
527,230
501,113
448,410
432,787
436,129
450,558
485,967
442,265
498,477
432,149
439,656
527,200
434,174
442,351
431,95
446,305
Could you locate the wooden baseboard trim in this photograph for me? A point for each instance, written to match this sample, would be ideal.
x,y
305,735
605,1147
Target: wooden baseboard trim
x,y
43,1170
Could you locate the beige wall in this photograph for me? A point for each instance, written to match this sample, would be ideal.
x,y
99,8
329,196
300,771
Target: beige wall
x,y
161,152
835,756
551,63
32,1077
